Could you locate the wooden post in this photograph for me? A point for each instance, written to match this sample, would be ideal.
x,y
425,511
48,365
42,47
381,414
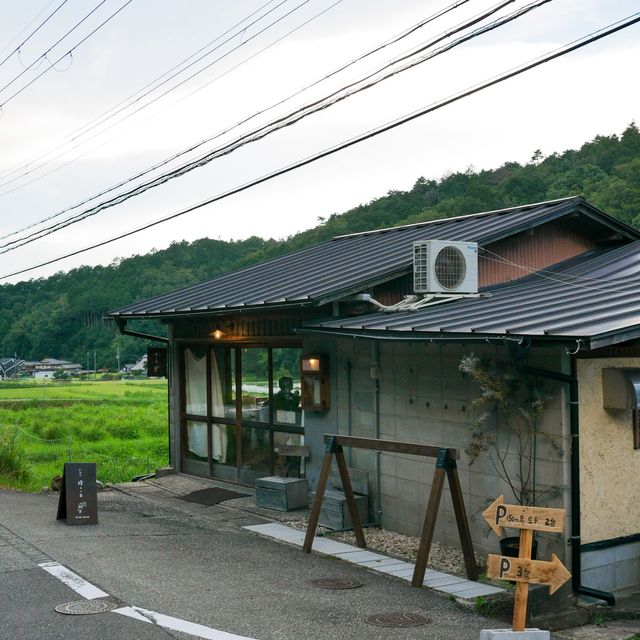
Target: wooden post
x,y
430,516
523,570
522,588
461,521
351,501
317,503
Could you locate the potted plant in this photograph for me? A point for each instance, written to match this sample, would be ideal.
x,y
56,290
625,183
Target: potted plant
x,y
506,429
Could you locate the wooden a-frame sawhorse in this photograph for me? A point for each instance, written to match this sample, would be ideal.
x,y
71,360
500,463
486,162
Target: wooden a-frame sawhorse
x,y
445,465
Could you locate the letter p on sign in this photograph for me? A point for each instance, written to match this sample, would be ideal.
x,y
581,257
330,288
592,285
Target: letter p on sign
x,y
505,566
501,512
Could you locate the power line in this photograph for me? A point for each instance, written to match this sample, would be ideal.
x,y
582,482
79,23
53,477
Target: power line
x,y
135,97
79,131
69,53
280,123
229,129
177,155
35,30
53,46
574,46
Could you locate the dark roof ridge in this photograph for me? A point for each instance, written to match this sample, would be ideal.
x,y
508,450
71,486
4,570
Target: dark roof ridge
x,y
467,216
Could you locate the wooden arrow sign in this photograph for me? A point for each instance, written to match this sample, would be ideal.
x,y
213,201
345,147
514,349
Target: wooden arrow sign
x,y
553,573
500,515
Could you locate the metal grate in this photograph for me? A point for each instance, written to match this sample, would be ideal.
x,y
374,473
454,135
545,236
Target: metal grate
x,y
397,619
86,607
450,267
335,583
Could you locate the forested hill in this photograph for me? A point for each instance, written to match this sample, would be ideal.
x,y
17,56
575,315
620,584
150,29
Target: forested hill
x,y
61,316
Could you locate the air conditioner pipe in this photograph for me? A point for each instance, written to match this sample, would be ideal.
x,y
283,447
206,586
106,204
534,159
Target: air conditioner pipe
x,y
574,422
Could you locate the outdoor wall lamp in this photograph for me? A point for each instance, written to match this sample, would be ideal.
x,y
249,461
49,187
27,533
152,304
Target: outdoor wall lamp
x,y
222,330
315,383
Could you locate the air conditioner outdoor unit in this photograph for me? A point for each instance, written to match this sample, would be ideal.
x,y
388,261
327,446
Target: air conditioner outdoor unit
x,y
441,266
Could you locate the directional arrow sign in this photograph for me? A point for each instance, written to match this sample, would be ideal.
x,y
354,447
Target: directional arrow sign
x,y
500,515
552,573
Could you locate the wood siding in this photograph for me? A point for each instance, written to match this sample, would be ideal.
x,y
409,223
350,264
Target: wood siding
x,y
531,250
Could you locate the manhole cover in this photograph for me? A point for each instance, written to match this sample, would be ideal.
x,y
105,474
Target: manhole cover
x,y
335,583
397,619
86,607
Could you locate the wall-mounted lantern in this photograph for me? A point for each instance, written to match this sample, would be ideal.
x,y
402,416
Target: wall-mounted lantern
x,y
315,383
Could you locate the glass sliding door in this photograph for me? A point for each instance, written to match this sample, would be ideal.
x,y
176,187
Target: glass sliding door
x,y
256,411
241,416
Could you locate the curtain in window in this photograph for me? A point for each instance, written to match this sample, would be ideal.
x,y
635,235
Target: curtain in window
x,y
195,363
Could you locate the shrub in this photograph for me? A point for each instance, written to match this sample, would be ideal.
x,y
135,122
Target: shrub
x,y
12,462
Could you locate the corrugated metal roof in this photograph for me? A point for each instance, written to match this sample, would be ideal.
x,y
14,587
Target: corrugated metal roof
x,y
584,298
348,264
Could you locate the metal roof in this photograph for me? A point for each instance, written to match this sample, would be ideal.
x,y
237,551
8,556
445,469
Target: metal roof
x,y
586,299
348,264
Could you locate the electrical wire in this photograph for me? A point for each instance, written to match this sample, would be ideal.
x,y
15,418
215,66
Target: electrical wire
x,y
53,46
563,278
68,53
135,97
53,13
166,160
80,131
557,53
282,122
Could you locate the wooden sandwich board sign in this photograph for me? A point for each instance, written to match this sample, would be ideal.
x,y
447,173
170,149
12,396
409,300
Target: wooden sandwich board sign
x,y
523,570
78,501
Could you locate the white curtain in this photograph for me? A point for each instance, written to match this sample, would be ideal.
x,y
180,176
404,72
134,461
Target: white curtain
x,y
196,382
218,431
197,438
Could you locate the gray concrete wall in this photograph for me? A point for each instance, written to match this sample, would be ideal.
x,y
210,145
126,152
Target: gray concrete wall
x,y
424,398
615,569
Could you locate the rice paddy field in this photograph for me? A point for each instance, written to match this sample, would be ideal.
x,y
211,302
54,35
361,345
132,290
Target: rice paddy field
x,y
119,425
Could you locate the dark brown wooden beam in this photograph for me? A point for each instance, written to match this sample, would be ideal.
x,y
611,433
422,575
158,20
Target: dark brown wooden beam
x,y
390,446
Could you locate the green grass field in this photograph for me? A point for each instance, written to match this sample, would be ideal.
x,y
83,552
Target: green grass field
x,y
121,426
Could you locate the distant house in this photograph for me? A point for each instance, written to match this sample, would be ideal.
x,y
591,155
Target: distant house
x,y
138,367
41,369
558,291
10,367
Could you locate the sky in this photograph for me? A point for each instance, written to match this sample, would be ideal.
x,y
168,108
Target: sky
x,y
73,126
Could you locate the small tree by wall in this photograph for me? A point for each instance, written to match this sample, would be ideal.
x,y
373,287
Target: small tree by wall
x,y
509,407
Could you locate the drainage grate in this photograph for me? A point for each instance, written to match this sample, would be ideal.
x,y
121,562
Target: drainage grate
x,y
397,619
335,583
86,607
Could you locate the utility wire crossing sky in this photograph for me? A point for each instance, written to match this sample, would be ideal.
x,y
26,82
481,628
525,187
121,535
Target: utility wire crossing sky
x,y
290,86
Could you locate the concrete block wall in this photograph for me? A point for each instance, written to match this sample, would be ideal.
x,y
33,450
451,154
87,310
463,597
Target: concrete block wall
x,y
615,569
424,398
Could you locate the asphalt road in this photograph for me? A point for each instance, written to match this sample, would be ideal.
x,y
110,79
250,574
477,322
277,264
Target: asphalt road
x,y
197,565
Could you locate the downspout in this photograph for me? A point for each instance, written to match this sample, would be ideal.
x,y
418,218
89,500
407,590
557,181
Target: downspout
x,y
574,423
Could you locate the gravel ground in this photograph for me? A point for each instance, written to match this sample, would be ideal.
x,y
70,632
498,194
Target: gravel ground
x,y
441,558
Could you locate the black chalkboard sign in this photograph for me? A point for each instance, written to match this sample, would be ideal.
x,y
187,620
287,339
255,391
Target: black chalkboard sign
x,y
78,502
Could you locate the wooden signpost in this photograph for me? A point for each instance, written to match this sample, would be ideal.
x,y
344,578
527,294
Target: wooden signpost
x,y
523,570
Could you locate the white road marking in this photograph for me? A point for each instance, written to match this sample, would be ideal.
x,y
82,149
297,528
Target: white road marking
x,y
90,592
176,624
73,580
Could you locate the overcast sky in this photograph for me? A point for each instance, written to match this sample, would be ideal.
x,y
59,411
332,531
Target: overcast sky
x,y
554,107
